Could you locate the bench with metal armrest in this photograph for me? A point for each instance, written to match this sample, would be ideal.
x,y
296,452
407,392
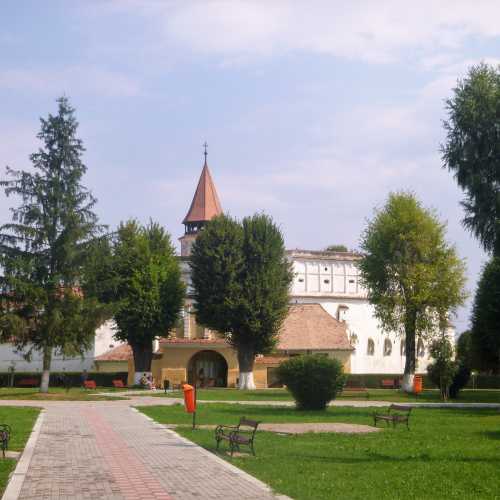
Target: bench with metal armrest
x,y
237,435
397,414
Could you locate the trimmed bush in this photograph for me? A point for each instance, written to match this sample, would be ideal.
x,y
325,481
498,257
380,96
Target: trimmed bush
x,y
313,380
460,380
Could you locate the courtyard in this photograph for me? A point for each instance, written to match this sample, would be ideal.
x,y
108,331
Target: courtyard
x,y
141,445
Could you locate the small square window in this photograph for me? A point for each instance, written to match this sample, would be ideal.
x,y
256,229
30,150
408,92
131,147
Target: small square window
x,y
326,281
301,280
351,281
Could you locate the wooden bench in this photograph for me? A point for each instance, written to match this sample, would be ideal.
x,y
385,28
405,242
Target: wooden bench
x,y
396,414
5,432
388,383
118,384
89,384
241,434
356,388
28,382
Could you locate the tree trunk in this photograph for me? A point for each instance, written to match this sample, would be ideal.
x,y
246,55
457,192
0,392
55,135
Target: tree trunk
x,y
47,359
246,358
143,356
410,363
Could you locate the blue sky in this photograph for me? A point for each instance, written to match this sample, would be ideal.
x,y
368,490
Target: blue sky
x,y
313,111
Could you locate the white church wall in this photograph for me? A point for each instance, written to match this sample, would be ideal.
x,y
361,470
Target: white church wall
x,y
333,281
104,338
9,358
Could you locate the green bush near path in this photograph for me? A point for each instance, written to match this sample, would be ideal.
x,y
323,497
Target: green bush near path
x,y
448,453
21,421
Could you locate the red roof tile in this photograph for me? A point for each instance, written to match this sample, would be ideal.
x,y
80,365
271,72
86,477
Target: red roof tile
x,y
120,353
310,327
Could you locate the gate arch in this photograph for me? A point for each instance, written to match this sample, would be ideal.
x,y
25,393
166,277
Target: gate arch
x,y
207,369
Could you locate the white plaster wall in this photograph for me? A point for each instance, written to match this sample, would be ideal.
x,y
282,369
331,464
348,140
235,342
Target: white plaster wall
x,y
361,322
104,338
9,357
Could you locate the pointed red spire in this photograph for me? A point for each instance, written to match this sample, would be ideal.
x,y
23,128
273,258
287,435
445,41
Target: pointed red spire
x,y
205,204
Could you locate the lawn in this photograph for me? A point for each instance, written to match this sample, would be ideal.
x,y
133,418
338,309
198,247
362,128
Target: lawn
x,y
466,396
57,394
447,453
21,421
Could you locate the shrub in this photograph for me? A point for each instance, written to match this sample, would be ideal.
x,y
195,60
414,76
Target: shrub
x,y
460,380
443,370
313,380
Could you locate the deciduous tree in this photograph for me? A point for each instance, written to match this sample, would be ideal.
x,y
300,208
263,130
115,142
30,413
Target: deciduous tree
x,y
472,151
241,279
139,276
414,278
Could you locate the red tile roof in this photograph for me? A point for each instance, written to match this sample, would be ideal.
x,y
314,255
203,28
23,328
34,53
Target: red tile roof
x,y
205,204
310,327
120,353
183,340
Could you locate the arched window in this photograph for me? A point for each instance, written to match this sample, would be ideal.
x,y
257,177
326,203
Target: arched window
x,y
420,349
402,348
353,341
370,350
387,347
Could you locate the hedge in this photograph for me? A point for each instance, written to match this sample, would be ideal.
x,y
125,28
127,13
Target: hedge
x,y
102,379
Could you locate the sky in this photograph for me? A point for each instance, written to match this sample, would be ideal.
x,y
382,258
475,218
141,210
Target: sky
x,y
313,111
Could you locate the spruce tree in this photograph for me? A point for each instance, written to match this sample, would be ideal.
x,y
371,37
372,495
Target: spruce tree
x,y
43,252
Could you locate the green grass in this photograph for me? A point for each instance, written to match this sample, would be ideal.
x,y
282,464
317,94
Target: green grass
x,y
56,394
448,453
466,396
21,421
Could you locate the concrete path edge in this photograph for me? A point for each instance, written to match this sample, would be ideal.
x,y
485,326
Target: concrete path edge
x,y
16,479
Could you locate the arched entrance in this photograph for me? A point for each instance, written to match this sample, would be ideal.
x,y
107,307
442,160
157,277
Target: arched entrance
x,y
207,369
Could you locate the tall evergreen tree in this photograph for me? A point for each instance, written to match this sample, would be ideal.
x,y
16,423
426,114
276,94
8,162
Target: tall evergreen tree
x,y
44,305
414,278
140,277
241,278
485,331
472,151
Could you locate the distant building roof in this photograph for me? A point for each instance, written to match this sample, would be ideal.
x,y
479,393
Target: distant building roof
x,y
310,327
323,254
120,353
205,204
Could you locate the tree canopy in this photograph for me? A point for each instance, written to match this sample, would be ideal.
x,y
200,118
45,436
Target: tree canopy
x,y
44,302
472,150
241,278
414,278
485,330
139,275
336,248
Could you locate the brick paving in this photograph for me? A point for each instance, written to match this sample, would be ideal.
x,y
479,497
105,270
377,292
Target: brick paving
x,y
108,451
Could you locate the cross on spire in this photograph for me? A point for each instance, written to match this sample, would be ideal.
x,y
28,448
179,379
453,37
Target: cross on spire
x,y
205,146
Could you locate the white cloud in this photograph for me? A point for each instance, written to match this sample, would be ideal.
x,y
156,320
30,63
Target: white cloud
x,y
362,30
79,78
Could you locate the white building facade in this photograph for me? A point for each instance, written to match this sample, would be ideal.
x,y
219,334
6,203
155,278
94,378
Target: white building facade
x,y
332,280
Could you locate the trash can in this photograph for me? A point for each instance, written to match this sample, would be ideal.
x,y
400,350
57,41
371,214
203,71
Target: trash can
x,y
189,398
417,384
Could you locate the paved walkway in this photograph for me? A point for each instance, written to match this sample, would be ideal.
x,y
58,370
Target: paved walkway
x,y
108,450
111,451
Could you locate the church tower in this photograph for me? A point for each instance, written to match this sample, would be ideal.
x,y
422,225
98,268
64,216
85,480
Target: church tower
x,y
205,206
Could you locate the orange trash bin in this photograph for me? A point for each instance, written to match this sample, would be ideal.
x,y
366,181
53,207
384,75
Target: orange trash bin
x,y
417,384
189,398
